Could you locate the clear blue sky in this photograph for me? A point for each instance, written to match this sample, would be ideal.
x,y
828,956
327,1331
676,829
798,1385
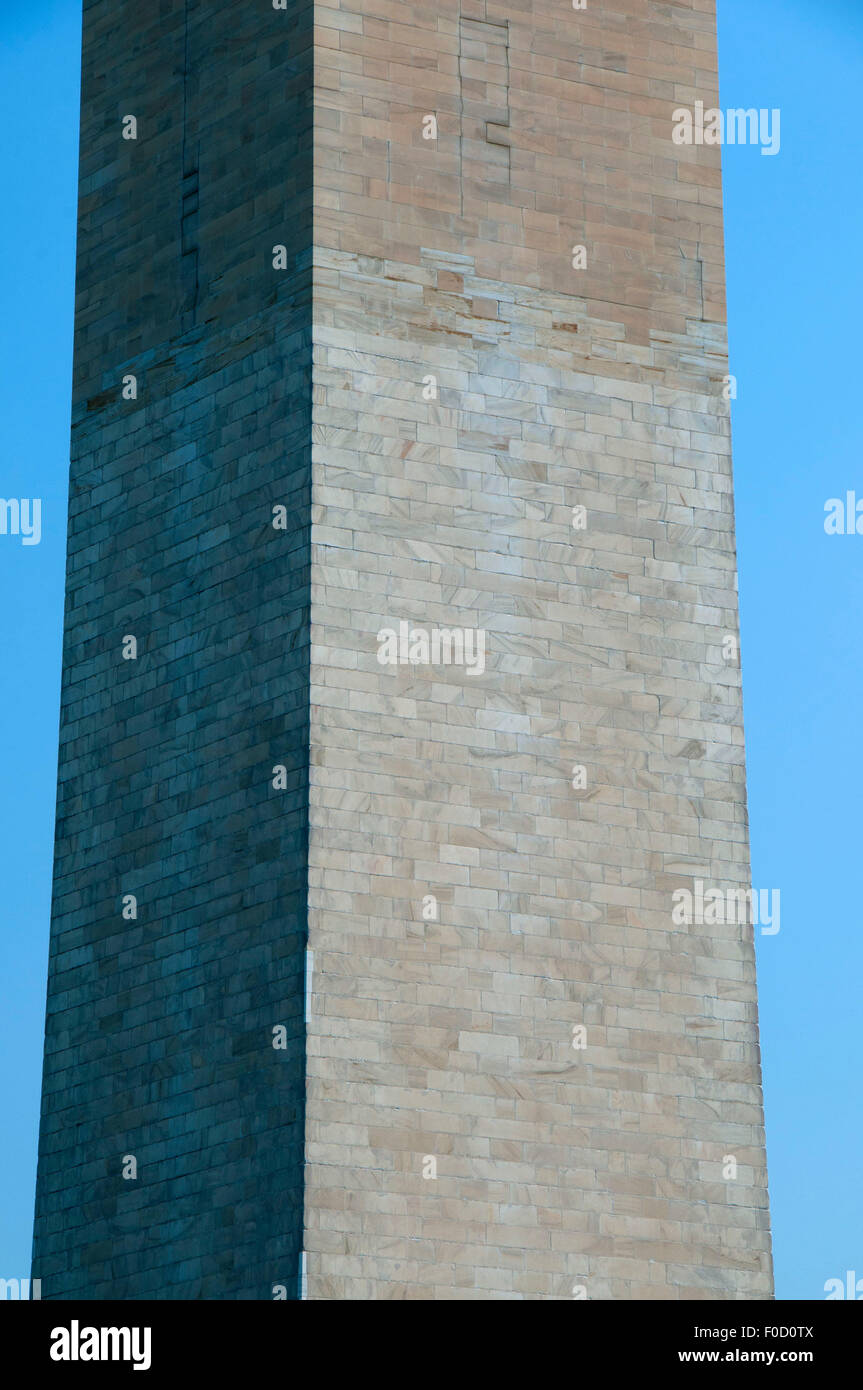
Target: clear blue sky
x,y
793,235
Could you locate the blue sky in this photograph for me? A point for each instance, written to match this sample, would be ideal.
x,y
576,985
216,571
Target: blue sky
x,y
795,291
793,232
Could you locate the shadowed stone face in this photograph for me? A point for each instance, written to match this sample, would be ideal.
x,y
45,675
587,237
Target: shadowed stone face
x,y
172,1126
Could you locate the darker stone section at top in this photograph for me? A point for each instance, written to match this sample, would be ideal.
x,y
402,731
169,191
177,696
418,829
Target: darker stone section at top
x,y
159,1026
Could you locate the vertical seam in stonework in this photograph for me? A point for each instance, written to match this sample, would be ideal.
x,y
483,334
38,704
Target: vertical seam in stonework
x,y
699,261
460,121
188,220
502,124
507,146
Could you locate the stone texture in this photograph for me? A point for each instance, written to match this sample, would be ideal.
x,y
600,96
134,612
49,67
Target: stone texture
x,y
159,1030
448,1039
557,387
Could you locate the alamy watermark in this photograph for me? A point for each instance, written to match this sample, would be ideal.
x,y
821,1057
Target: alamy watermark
x,y
20,1289
437,646
714,907
733,127
850,1287
21,518
844,515
77,1343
